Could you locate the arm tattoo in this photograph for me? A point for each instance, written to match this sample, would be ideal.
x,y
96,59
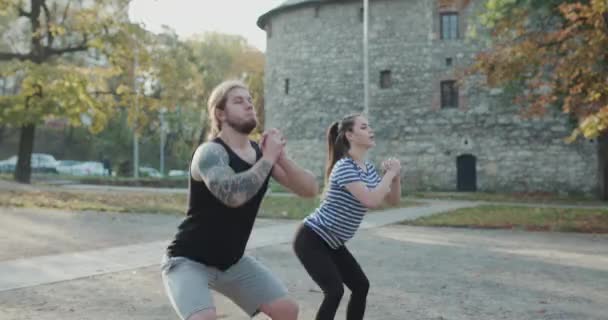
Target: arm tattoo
x,y
230,188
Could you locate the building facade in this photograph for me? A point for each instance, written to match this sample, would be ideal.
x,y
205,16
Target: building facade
x,y
450,136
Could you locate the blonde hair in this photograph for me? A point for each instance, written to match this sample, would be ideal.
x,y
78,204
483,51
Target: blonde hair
x,y
217,100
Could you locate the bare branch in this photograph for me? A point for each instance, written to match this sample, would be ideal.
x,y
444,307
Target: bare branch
x,y
5,56
56,52
23,13
12,41
49,34
102,93
65,12
83,46
37,94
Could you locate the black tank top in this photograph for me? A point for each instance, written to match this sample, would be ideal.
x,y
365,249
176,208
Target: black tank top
x,y
213,233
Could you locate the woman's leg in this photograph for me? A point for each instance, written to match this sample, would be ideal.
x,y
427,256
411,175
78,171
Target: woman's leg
x,y
316,257
355,279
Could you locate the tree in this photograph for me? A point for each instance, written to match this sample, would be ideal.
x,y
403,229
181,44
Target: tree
x,y
128,74
182,75
551,54
63,55
255,82
220,57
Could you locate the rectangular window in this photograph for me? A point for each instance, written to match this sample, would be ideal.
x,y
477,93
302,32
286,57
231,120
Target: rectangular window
x,y
448,62
449,94
269,29
449,26
361,13
317,9
287,86
385,79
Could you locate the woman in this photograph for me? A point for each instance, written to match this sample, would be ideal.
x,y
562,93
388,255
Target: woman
x,y
352,186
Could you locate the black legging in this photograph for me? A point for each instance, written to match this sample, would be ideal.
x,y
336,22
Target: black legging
x,y
330,269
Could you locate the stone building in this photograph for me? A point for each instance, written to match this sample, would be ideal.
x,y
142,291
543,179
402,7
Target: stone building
x,y
449,137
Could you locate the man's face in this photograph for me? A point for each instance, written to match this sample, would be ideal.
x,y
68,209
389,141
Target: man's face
x,y
239,112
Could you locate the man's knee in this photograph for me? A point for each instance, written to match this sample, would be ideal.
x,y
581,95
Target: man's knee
x,y
208,314
282,309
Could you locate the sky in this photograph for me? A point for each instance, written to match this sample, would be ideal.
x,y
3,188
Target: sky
x,y
188,17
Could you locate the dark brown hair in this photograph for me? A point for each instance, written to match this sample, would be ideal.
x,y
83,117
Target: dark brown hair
x,y
337,144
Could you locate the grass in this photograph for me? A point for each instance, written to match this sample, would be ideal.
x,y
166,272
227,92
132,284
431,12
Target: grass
x,y
298,208
537,197
95,201
285,207
165,182
525,218
275,187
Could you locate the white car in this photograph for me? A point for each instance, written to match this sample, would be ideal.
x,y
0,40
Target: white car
x,y
87,168
149,172
177,173
66,166
9,164
40,162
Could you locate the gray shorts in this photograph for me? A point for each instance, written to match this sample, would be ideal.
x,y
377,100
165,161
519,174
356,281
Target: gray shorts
x,y
248,284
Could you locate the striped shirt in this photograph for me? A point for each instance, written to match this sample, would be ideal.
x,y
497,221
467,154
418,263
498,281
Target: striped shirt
x,y
340,213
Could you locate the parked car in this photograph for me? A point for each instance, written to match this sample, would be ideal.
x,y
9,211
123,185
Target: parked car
x,y
177,173
149,172
9,164
87,168
40,162
67,166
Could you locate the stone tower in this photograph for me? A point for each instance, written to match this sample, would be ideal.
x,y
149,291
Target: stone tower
x,y
449,136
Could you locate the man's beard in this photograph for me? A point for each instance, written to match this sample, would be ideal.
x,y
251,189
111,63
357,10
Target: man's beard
x,y
244,127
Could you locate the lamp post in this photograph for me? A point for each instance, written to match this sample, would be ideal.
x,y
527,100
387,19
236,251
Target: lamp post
x,y
365,58
135,133
162,140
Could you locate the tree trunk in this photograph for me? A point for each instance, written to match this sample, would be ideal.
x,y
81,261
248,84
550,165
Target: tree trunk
x,y
23,171
602,153
68,140
2,132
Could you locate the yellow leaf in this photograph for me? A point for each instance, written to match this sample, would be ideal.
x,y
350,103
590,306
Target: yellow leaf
x,y
575,133
122,89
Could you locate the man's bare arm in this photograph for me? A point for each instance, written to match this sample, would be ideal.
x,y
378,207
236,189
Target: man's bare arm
x,y
212,165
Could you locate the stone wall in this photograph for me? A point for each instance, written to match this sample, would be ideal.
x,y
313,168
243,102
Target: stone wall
x,y
319,51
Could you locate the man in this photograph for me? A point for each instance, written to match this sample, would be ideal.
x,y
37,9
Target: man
x,y
229,176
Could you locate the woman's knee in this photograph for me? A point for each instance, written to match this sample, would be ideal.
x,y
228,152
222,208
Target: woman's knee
x,y
361,288
334,292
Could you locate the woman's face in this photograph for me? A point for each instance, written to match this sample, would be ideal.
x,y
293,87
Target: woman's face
x,y
362,134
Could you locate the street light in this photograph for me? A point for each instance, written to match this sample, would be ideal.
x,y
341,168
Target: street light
x,y
135,134
161,115
366,61
138,21
365,58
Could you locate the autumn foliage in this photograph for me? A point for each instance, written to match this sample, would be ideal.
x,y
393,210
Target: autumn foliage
x,y
555,53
